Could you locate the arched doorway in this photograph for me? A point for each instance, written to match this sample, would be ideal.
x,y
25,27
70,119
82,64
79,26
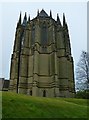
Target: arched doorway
x,y
31,92
44,93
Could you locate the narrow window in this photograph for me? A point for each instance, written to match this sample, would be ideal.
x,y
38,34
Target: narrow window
x,y
22,39
44,36
44,93
31,92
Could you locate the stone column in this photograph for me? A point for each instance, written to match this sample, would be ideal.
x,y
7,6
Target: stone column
x,y
23,74
24,64
72,83
36,60
30,63
63,76
12,74
56,76
36,67
14,61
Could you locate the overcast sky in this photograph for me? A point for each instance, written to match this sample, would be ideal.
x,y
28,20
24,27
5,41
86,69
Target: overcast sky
x,y
76,17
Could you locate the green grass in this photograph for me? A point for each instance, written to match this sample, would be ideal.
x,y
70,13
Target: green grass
x,y
23,106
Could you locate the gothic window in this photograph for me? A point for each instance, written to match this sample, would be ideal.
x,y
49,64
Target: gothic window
x,y
33,35
22,39
44,35
44,93
31,92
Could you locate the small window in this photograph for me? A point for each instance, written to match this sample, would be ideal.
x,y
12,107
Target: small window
x,y
22,38
31,92
44,93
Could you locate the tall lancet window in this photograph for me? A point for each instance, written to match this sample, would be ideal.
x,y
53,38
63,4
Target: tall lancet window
x,y
44,35
44,38
22,39
33,35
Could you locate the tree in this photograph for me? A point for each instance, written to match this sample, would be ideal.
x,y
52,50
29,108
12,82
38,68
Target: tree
x,y
84,94
82,72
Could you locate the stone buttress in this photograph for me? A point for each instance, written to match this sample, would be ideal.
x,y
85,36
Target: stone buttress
x,y
41,63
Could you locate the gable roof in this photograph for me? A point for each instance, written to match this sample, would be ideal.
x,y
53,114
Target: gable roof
x,y
43,13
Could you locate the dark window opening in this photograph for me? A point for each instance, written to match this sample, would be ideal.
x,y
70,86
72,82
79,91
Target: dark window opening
x,y
44,93
44,36
31,92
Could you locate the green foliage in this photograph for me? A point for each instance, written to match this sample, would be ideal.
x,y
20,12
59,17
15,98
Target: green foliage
x,y
83,94
23,106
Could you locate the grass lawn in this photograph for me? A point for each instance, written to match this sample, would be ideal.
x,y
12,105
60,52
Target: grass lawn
x,y
24,106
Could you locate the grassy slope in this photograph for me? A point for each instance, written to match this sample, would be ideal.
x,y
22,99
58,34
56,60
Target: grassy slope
x,y
17,105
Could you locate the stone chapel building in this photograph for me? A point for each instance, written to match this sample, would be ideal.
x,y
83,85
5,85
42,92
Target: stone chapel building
x,y
41,63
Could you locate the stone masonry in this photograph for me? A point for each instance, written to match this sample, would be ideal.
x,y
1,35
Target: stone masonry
x,y
41,63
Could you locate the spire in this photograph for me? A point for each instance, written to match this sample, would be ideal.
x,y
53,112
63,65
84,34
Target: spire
x,y
25,17
20,18
43,13
19,21
38,12
64,21
25,20
50,14
29,18
58,19
66,34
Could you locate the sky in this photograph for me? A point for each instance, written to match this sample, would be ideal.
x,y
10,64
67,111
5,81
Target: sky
x,y
76,17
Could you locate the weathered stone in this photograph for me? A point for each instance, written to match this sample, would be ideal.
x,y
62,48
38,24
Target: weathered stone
x,y
41,63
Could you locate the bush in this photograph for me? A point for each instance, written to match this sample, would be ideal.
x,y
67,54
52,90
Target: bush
x,y
82,94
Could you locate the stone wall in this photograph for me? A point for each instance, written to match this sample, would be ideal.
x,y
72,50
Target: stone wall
x,y
42,64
